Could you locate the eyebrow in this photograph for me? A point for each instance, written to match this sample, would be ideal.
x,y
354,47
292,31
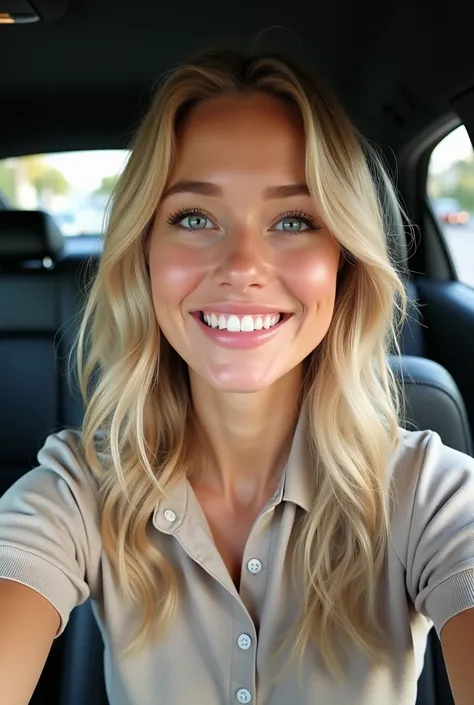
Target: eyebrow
x,y
206,188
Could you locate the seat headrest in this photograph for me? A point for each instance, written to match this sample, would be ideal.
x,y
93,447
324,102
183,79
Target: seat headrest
x,y
29,235
433,401
393,223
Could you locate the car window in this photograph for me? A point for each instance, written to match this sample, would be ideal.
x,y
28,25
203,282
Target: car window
x,y
451,194
74,187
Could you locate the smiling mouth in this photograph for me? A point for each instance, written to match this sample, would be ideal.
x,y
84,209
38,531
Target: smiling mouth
x,y
241,324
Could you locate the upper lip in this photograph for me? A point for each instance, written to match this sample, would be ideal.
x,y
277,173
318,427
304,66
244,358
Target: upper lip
x,y
240,309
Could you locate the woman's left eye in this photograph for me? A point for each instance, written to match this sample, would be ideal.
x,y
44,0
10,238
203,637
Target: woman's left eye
x,y
296,223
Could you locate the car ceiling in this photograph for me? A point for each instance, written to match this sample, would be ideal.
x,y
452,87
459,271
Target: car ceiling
x,y
84,80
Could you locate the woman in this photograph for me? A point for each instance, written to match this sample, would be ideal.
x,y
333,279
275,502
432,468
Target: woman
x,y
242,506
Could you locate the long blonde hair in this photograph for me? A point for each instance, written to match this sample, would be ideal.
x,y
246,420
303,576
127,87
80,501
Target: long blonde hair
x,y
136,427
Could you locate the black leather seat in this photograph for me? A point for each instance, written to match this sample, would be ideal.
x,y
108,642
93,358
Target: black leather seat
x,y
30,244
433,401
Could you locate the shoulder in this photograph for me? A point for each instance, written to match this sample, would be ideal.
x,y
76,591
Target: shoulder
x,y
50,526
61,483
421,457
432,524
63,453
426,477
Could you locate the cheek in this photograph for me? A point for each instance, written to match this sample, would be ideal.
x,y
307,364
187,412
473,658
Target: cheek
x,y
312,276
174,273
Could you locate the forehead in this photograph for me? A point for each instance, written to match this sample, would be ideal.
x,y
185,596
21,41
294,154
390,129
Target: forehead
x,y
245,133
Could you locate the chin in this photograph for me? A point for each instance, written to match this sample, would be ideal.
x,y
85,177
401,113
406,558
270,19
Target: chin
x,y
240,389
239,383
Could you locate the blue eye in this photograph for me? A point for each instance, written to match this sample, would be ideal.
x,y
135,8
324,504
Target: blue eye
x,y
193,219
189,219
292,225
196,222
298,222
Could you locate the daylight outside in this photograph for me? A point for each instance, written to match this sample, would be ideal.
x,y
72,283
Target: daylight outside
x,y
451,193
74,187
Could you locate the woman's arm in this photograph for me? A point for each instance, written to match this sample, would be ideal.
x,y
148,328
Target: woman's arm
x,y
29,625
457,640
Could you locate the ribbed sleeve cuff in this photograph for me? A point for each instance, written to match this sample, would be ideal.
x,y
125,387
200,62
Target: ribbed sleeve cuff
x,y
43,577
452,596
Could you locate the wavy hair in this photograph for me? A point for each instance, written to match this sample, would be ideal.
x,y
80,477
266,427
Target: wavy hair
x,y
136,429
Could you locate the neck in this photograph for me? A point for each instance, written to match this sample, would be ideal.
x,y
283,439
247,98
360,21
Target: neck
x,y
246,438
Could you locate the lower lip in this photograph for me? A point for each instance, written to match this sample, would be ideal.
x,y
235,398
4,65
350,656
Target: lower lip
x,y
242,340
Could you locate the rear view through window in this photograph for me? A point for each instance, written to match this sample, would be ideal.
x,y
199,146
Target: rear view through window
x,y
74,187
451,193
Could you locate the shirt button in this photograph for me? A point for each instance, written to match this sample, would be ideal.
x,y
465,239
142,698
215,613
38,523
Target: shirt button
x,y
169,515
243,695
254,565
244,642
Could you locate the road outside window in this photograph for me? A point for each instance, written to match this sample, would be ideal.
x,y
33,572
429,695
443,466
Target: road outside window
x,y
451,193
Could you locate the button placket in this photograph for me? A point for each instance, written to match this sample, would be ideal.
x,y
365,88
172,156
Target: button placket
x,y
244,657
243,695
254,565
244,642
252,588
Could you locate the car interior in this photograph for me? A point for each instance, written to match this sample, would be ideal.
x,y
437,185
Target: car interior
x,y
78,75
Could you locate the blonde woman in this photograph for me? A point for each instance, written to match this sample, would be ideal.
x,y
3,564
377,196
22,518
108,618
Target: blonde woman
x,y
242,507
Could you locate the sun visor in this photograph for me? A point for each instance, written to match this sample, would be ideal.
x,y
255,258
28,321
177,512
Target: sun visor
x,y
28,11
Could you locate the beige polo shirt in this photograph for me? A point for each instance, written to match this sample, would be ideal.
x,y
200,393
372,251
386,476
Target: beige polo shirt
x,y
219,648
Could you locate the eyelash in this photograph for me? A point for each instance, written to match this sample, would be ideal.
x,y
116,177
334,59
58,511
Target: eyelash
x,y
175,218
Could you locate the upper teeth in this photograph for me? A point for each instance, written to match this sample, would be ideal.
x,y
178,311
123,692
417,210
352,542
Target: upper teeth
x,y
240,323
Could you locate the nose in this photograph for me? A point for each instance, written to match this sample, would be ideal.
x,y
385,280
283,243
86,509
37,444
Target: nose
x,y
244,261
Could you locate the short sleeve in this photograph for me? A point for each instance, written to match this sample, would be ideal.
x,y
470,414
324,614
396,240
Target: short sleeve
x,y
440,536
49,528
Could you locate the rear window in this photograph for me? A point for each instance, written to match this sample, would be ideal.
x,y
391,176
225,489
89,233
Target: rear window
x,y
74,187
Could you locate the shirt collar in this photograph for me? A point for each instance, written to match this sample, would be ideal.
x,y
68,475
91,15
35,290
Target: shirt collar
x,y
171,510
297,485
